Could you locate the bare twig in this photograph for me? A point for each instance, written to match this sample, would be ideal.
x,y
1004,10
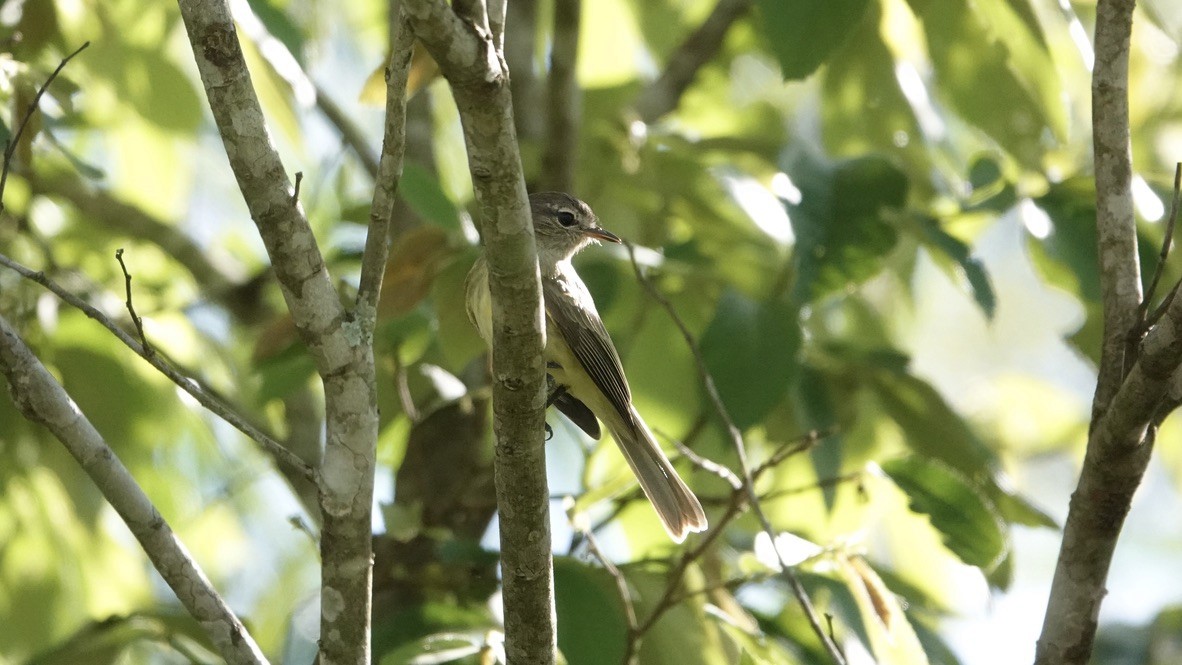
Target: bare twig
x,y
1147,321
203,396
741,452
295,192
662,96
43,400
14,140
377,239
351,134
710,466
621,585
135,318
562,107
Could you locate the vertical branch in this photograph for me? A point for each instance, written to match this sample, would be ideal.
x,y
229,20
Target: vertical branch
x,y
562,100
1132,380
1120,274
475,68
43,400
521,26
377,239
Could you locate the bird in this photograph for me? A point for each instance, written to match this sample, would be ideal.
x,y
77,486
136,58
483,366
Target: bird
x,y
582,363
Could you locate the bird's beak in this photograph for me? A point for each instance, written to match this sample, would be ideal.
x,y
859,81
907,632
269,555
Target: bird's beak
x,y
602,234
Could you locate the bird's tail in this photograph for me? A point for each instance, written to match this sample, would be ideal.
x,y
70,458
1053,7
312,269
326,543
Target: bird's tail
x,y
679,510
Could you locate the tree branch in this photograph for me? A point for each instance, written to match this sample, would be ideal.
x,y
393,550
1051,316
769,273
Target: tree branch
x,y
1129,390
204,396
562,101
470,61
520,47
746,472
662,96
377,239
43,400
339,343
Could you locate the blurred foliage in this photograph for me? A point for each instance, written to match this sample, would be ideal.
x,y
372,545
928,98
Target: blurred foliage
x,y
823,209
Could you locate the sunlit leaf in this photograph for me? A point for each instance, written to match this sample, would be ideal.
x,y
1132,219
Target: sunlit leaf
x,y
967,520
930,427
802,33
750,350
997,71
592,629
425,196
415,259
892,639
841,233
971,268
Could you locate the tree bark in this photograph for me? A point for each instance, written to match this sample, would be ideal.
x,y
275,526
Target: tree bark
x,y
466,51
1133,380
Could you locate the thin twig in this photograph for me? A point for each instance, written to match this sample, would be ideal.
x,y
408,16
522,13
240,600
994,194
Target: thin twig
x,y
295,194
710,466
10,147
41,399
741,452
1167,241
203,397
135,318
618,578
377,239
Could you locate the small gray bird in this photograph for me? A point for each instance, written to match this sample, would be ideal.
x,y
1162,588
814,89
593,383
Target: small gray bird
x,y
581,359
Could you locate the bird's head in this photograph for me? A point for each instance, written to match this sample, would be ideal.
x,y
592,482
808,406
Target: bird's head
x,y
564,225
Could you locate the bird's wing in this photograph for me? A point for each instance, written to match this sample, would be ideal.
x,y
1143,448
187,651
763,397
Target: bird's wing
x,y
570,308
578,413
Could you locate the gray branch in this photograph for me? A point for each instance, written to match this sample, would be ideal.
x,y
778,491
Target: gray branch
x,y
43,400
470,61
663,95
562,101
1130,390
339,341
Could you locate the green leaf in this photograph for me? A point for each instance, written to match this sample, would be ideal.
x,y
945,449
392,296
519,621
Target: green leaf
x,y
997,71
931,428
423,193
280,26
750,349
283,373
1071,242
592,629
817,412
841,232
972,270
971,527
803,33
891,636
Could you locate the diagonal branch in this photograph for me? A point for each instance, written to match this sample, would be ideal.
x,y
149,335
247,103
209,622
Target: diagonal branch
x,y
43,400
340,344
746,473
204,396
663,95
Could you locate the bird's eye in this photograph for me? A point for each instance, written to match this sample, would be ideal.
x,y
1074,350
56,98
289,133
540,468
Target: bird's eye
x,y
567,218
